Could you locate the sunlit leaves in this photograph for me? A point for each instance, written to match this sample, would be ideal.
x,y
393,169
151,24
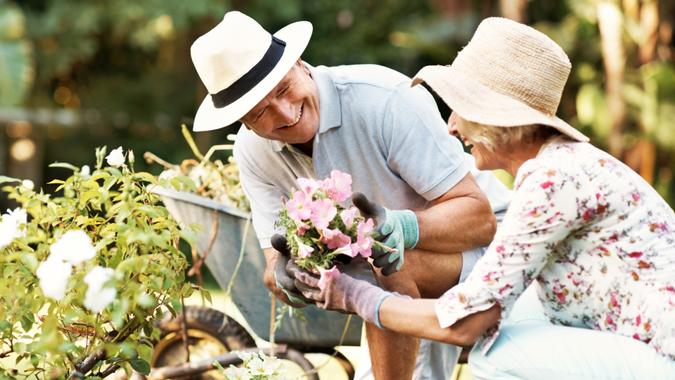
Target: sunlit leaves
x,y
132,234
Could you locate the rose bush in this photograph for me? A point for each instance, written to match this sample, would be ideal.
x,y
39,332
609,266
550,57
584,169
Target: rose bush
x,y
86,271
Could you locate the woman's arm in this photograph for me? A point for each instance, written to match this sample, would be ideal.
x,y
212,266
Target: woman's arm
x,y
417,317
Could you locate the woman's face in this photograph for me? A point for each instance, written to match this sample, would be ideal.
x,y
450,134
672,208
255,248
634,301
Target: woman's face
x,y
485,158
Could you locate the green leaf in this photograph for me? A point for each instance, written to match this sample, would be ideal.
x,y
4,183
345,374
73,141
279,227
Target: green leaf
x,y
5,179
128,351
88,195
30,261
64,165
140,366
27,321
145,351
145,177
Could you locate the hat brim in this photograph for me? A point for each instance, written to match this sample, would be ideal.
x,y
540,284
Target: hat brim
x,y
208,117
478,103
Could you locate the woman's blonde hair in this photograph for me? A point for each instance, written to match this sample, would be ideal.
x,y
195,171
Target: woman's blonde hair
x,y
492,137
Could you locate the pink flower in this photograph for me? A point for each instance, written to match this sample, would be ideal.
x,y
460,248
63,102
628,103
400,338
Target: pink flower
x,y
364,242
299,206
546,185
303,249
327,275
323,212
302,228
334,238
364,228
308,185
338,186
348,216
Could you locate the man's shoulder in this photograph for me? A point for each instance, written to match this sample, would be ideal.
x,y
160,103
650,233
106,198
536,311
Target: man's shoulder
x,y
369,88
370,75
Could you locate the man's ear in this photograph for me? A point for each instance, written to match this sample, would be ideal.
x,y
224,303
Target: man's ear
x,y
303,67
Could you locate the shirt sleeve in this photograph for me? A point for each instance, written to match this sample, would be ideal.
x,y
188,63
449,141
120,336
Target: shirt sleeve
x,y
419,147
542,213
264,197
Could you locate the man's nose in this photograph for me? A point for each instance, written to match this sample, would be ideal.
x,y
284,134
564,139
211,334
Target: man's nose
x,y
284,111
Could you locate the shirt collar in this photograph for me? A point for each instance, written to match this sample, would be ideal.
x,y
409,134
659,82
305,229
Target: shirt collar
x,y
329,101
330,112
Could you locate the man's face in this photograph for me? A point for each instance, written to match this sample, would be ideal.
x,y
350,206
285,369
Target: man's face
x,y
290,112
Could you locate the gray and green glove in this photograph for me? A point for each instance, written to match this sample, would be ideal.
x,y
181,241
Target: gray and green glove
x,y
396,229
353,290
285,280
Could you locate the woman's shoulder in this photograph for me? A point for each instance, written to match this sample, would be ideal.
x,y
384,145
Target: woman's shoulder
x,y
561,160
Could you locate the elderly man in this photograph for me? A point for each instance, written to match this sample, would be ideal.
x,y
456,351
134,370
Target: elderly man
x,y
365,120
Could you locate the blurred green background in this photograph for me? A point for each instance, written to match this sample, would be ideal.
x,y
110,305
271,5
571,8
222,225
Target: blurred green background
x,y
77,74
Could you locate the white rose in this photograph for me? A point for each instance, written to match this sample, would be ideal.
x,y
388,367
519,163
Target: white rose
x,y
271,365
256,366
28,184
7,233
85,172
54,275
237,373
12,226
97,297
246,356
116,157
198,175
18,216
73,247
168,174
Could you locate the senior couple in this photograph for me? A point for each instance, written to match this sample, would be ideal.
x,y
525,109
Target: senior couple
x,y
593,243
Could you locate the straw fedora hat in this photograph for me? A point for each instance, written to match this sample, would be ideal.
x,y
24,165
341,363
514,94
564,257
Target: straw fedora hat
x,y
508,75
240,62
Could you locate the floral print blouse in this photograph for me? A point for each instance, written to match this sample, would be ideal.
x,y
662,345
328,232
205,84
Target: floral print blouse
x,y
598,240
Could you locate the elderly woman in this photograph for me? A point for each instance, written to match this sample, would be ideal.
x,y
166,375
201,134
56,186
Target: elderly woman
x,y
596,242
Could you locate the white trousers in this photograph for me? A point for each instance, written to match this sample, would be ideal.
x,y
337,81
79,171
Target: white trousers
x,y
530,347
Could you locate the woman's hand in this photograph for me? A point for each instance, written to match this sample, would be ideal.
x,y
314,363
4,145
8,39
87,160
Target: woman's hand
x,y
349,288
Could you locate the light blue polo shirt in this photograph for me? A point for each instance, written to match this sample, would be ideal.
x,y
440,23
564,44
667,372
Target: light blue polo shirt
x,y
389,136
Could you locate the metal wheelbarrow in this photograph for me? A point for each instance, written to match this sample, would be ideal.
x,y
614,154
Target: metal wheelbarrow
x,y
226,234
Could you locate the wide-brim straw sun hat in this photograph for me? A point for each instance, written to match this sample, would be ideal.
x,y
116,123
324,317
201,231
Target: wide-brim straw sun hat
x,y
508,75
240,62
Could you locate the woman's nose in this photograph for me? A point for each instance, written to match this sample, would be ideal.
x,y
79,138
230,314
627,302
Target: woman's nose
x,y
452,125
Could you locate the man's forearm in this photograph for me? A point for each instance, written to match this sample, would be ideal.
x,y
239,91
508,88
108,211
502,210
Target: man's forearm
x,y
457,221
456,225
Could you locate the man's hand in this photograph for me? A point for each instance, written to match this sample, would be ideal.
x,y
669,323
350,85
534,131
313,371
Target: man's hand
x,y
283,280
397,229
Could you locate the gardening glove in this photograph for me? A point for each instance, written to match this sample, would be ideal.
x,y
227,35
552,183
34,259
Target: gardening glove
x,y
284,280
349,288
397,229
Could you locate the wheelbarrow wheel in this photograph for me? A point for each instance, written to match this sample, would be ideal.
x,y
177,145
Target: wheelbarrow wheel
x,y
210,333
